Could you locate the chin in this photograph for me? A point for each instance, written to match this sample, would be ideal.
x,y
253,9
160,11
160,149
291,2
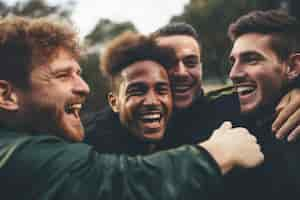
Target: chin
x,y
248,109
154,137
183,104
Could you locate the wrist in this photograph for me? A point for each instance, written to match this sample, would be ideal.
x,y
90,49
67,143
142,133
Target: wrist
x,y
223,159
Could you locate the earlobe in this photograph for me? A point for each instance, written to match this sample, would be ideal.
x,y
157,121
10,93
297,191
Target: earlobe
x,y
8,98
113,102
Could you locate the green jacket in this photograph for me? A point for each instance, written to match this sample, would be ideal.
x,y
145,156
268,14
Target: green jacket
x,y
46,167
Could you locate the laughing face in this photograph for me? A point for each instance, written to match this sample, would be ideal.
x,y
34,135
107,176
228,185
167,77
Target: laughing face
x,y
257,72
144,101
56,93
186,75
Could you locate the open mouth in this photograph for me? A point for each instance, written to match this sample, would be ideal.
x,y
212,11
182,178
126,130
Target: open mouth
x,y
73,109
151,121
245,89
181,88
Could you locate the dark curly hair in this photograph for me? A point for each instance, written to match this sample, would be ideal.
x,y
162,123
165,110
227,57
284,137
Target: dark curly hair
x,y
128,48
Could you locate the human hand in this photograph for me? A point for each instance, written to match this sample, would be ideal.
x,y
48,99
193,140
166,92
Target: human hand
x,y
287,122
232,147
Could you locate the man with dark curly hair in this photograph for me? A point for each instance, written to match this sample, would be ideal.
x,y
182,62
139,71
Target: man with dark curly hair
x,y
140,99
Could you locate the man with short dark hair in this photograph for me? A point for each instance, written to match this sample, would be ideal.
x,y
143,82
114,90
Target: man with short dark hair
x,y
41,93
265,61
140,99
191,106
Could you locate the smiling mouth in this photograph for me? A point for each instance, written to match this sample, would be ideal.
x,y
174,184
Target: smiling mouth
x,y
151,121
181,88
245,89
73,109
151,117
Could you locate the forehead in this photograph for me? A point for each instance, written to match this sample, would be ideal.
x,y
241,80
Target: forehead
x,y
252,42
183,44
60,60
144,71
63,59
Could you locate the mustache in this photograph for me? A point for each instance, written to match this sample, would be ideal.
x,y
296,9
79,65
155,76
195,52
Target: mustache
x,y
151,108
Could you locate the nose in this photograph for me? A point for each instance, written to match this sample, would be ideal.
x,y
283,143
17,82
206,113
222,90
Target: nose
x,y
81,87
151,98
179,69
236,72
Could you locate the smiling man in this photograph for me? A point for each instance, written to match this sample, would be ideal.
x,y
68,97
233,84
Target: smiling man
x,y
186,73
265,63
41,92
194,110
140,99
46,98
261,69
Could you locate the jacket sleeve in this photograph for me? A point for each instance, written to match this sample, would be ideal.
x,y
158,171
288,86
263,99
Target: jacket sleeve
x,y
53,169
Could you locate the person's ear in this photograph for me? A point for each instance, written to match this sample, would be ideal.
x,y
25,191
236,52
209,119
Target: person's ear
x,y
293,68
8,97
113,101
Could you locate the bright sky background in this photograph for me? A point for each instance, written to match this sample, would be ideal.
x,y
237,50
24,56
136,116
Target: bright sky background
x,y
147,15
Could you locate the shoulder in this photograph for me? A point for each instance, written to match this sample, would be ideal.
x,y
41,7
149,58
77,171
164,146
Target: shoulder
x,y
226,91
225,101
104,119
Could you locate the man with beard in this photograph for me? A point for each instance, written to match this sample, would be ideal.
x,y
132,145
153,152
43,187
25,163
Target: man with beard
x,y
194,111
41,93
265,60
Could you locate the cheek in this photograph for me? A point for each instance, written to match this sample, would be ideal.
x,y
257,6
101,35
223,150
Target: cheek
x,y
167,101
127,109
196,73
270,84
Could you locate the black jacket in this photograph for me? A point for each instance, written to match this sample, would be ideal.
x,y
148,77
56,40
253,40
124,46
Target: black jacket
x,y
278,177
43,167
106,134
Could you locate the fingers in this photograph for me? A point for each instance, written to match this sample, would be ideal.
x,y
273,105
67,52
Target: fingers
x,y
289,104
294,134
291,123
284,114
283,103
226,125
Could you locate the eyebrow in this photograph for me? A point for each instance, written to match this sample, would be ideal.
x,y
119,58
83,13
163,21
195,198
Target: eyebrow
x,y
134,84
246,54
66,68
163,83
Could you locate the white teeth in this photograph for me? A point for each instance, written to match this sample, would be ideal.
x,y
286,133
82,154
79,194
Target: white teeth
x,y
181,88
151,117
74,109
76,106
245,89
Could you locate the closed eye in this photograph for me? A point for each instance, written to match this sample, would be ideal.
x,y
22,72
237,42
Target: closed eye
x,y
163,88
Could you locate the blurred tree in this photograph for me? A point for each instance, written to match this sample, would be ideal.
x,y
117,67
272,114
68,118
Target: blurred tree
x,y
211,19
98,84
107,29
37,8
